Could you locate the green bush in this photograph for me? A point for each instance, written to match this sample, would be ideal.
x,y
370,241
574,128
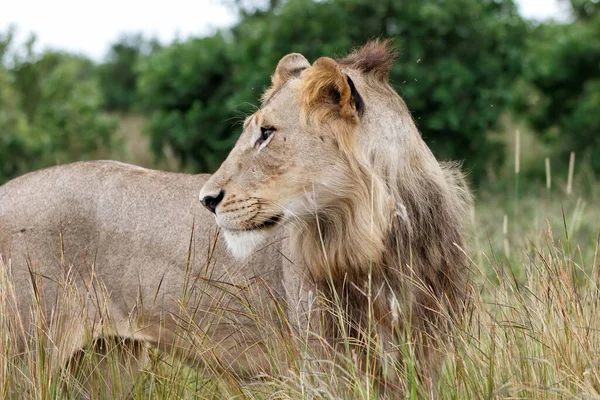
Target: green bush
x,y
68,123
458,60
14,140
186,87
584,9
117,75
50,112
563,96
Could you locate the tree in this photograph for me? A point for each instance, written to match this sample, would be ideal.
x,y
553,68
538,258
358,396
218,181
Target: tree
x,y
50,110
249,7
563,98
187,87
118,78
458,61
14,128
6,39
68,123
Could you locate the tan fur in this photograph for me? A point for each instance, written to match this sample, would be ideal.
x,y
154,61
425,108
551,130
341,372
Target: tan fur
x,y
362,197
359,236
101,249
321,80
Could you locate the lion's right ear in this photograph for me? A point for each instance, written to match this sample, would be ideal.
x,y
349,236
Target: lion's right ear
x,y
289,66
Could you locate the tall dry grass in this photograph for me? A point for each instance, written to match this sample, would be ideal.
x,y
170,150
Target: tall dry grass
x,y
531,329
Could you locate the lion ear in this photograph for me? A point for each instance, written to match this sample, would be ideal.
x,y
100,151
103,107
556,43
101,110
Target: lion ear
x,y
289,66
328,91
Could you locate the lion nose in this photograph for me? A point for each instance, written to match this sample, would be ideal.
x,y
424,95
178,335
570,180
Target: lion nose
x,y
211,202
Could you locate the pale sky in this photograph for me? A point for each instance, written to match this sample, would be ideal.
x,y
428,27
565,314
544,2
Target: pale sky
x,y
89,27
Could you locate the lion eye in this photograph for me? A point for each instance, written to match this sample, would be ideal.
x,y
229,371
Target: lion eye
x,y
265,132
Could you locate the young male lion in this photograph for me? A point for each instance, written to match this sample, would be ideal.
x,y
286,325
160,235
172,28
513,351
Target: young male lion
x,y
373,221
329,194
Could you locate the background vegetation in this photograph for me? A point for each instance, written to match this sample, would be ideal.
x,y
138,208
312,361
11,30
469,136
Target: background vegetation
x,y
471,72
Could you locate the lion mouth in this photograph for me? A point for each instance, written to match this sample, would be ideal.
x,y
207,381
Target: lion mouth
x,y
268,223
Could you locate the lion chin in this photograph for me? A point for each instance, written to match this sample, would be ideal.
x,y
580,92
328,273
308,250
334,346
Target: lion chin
x,y
243,244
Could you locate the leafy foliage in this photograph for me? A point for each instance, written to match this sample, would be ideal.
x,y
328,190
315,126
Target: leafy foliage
x,y
461,64
50,112
564,72
14,128
117,75
456,69
458,60
67,123
188,87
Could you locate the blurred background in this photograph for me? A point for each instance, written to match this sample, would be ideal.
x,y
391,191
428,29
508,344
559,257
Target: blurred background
x,y
493,83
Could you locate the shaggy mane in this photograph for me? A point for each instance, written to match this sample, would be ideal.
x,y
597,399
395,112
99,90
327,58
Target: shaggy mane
x,y
394,219
399,216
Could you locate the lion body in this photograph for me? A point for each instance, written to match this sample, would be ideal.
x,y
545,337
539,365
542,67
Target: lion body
x,y
129,242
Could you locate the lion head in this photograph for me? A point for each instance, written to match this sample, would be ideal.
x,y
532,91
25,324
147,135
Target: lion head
x,y
299,157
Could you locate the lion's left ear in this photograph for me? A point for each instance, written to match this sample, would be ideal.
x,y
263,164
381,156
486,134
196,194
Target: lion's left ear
x,y
289,66
329,92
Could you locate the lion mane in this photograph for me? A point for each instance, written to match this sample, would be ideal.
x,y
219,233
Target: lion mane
x,y
401,227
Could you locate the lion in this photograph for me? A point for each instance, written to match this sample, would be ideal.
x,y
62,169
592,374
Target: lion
x,y
334,158
329,190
